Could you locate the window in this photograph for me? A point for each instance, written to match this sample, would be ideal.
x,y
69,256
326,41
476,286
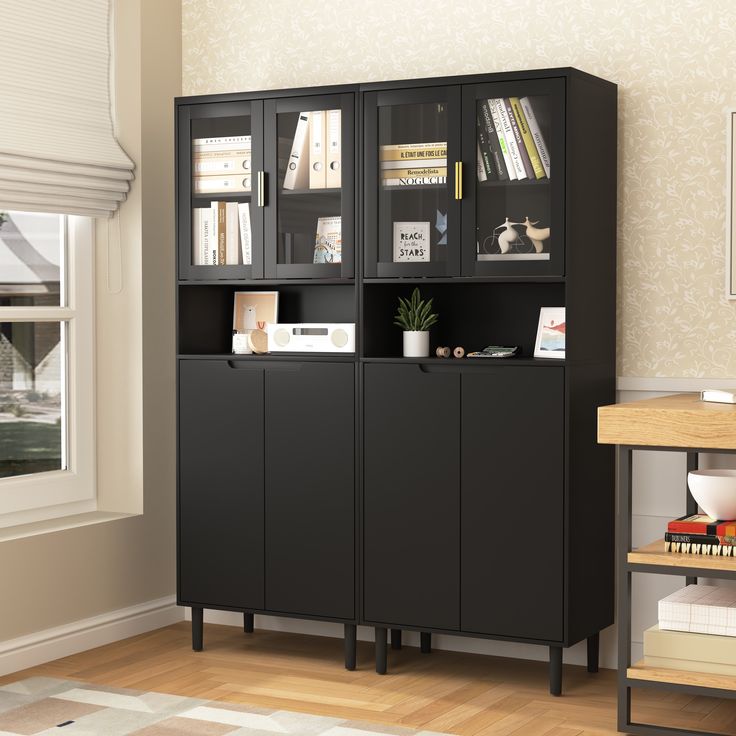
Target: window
x,y
46,367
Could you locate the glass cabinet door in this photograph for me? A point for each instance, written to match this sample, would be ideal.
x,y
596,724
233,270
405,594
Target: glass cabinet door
x,y
309,187
513,209
220,226
413,182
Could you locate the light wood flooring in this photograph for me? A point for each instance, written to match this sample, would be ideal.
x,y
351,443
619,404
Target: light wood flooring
x,y
466,694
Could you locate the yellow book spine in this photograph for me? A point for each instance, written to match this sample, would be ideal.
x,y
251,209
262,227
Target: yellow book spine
x,y
408,152
526,136
394,173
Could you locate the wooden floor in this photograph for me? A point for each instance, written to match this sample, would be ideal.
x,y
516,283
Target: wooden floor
x,y
466,694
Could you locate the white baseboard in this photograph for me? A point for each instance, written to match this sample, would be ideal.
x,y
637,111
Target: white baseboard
x,y
78,636
667,385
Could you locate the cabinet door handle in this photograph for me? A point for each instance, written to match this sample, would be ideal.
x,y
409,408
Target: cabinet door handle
x,y
261,202
458,179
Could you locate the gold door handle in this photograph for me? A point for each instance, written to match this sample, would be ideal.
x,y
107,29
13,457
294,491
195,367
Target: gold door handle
x,y
261,189
458,179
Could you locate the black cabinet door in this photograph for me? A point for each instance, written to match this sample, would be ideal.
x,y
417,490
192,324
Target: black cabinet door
x,y
411,502
220,484
310,489
513,501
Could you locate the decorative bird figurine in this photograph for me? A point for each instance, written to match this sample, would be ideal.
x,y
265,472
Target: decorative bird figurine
x,y
536,234
508,236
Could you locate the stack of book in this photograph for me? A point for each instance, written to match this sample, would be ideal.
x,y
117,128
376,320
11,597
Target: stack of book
x,y
700,535
413,164
221,165
221,234
510,144
315,158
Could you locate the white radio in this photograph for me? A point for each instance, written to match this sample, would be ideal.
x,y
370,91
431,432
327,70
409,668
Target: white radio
x,y
312,337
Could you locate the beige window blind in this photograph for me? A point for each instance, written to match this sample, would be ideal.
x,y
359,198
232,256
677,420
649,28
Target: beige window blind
x,y
58,151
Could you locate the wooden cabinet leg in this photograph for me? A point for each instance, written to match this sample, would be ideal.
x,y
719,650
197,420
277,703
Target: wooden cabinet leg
x,y
425,639
555,670
248,623
197,629
395,638
593,647
381,653
351,644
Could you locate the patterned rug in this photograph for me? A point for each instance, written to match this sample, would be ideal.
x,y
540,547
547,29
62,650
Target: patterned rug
x,y
44,705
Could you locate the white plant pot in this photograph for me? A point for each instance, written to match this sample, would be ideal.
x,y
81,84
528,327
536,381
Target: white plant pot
x,y
416,344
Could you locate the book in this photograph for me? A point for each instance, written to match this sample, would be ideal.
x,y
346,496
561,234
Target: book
x,y
484,124
328,240
536,133
719,396
493,142
399,151
226,143
691,539
684,650
702,524
526,136
422,163
221,184
219,225
203,251
210,164
422,171
480,168
525,160
297,169
232,234
245,233
704,609
333,172
317,139
687,548
498,128
409,181
510,138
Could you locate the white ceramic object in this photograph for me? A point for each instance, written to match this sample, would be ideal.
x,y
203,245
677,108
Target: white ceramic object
x,y
714,491
416,344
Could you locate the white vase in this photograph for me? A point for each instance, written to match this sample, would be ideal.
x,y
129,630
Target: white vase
x,y
416,344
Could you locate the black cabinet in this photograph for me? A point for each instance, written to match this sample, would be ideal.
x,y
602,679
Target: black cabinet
x,y
411,543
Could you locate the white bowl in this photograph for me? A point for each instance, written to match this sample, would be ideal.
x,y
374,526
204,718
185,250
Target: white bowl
x,y
715,492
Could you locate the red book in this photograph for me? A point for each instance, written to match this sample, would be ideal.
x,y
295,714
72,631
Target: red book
x,y
702,524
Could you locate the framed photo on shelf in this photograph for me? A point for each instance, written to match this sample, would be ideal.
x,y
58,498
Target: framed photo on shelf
x,y
550,342
411,242
253,310
731,205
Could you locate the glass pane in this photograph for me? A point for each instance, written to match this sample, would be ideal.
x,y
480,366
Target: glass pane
x,y
221,191
31,257
513,205
309,187
412,187
32,385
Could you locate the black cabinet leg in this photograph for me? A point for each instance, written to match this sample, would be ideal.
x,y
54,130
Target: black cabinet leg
x,y
381,653
593,647
395,638
555,670
425,638
197,629
351,644
248,623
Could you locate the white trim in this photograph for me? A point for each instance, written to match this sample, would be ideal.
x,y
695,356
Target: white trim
x,y
79,636
630,383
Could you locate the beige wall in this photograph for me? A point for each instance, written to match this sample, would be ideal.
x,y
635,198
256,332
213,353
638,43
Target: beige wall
x,y
673,62
52,579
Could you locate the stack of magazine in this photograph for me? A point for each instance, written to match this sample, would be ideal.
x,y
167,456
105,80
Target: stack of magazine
x,y
413,164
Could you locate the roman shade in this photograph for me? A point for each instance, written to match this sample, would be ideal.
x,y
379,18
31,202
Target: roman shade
x,y
58,151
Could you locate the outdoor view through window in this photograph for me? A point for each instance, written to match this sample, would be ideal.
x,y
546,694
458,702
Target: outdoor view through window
x,y
32,346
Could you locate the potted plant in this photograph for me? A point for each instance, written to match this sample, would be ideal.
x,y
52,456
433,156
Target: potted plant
x,y
415,317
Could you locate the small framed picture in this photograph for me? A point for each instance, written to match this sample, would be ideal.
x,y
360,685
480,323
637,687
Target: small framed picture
x,y
550,341
411,242
253,310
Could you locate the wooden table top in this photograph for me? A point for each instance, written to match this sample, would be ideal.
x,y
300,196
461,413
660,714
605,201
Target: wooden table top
x,y
680,420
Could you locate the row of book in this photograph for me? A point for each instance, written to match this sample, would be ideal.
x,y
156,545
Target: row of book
x,y
510,144
221,165
221,234
700,535
413,164
316,152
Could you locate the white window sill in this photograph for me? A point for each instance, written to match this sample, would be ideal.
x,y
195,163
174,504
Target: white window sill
x,y
56,525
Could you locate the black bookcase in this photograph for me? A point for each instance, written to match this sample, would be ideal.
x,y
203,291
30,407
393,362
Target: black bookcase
x,y
437,495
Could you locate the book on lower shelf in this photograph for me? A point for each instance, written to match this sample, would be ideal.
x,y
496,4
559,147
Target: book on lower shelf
x,y
221,234
700,609
691,652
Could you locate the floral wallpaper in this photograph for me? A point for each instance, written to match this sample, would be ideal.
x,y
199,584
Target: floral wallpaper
x,y
674,62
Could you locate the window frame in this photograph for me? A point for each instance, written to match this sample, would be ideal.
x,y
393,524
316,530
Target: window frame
x,y
53,494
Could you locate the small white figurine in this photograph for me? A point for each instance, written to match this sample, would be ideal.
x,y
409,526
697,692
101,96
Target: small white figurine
x,y
508,236
536,234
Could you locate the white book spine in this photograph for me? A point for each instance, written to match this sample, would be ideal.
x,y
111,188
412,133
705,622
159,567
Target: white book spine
x,y
232,239
215,233
223,143
297,168
480,168
511,144
411,181
317,176
209,166
333,174
207,240
423,163
197,253
217,183
536,131
495,116
245,233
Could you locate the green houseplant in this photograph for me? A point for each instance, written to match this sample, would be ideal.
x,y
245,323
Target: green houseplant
x,y
415,317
